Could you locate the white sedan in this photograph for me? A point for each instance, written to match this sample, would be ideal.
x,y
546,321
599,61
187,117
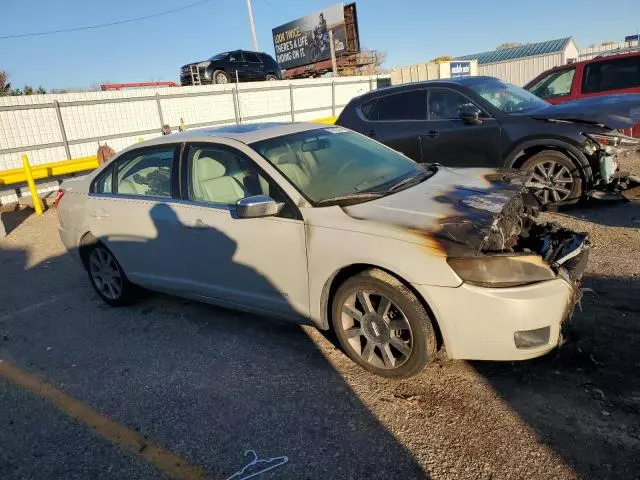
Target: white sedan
x,y
320,224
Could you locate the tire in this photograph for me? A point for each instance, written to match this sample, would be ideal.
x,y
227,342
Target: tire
x,y
220,77
372,342
560,175
271,77
107,277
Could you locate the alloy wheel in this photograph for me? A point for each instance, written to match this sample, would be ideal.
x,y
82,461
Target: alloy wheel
x,y
105,273
221,78
554,181
376,329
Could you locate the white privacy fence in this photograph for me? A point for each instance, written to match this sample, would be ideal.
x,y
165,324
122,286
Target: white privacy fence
x,y
56,127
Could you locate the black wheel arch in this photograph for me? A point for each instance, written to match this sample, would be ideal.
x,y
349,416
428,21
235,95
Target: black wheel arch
x,y
342,274
525,150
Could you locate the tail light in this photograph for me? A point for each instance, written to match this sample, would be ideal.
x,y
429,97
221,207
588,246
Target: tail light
x,y
59,195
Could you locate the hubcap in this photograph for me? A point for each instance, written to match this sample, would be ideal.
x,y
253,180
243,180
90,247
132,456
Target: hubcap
x,y
376,329
554,182
105,273
221,78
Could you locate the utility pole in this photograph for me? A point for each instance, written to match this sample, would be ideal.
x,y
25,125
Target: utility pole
x,y
253,28
332,49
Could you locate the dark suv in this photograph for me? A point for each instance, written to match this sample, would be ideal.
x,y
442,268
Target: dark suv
x,y
240,65
571,148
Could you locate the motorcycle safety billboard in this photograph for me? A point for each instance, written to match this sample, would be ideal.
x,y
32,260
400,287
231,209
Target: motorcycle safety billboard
x,y
306,40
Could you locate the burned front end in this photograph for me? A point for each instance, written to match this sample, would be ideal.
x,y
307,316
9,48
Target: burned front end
x,y
498,241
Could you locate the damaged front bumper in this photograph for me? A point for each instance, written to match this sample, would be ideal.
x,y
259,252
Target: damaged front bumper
x,y
513,312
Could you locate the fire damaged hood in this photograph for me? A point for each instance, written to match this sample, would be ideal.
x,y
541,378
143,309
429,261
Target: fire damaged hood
x,y
611,111
456,207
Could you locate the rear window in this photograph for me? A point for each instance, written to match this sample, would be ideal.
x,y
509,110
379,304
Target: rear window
x,y
615,74
411,105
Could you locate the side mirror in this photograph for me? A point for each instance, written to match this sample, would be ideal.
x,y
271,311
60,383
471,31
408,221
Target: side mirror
x,y
257,206
470,115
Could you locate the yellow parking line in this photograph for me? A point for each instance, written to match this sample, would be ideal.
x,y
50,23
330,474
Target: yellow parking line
x,y
168,463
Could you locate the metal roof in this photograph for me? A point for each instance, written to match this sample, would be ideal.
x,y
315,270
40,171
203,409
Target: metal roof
x,y
529,50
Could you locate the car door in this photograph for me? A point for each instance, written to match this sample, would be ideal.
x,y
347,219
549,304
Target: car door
x,y
450,141
238,67
396,120
255,66
259,263
123,206
556,86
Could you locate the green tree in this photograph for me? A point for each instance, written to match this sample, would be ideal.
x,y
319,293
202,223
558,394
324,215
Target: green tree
x,y
16,92
5,85
28,90
41,91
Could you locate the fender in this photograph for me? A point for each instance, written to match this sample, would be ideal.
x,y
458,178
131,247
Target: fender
x,y
567,147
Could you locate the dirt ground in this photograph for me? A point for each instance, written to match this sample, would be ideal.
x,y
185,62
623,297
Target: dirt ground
x,y
208,383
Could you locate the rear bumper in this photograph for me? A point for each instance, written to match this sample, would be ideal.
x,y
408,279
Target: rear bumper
x,y
480,323
71,240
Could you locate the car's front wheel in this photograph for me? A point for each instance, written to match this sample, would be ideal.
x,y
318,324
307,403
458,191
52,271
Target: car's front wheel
x,y
107,277
220,77
382,326
556,178
271,77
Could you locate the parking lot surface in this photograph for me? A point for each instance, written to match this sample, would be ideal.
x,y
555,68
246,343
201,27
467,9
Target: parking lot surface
x,y
170,387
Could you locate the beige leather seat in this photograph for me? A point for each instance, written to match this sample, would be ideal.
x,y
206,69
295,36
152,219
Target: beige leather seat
x,y
129,187
211,184
287,162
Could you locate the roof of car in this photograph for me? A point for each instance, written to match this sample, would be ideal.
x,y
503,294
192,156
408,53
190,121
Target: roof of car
x,y
245,132
427,83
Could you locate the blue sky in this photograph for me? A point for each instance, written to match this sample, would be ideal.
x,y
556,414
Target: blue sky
x,y
409,31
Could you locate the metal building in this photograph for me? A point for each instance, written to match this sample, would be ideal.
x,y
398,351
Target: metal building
x,y
518,65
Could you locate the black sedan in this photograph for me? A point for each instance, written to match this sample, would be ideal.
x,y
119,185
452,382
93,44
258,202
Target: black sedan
x,y
571,148
229,67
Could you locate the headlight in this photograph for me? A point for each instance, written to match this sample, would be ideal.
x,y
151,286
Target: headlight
x,y
502,270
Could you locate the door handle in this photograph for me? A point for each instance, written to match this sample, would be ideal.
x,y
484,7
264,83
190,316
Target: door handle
x,y
99,213
198,225
431,134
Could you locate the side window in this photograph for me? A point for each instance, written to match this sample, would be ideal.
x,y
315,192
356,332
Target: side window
x,y
556,84
223,175
615,74
104,183
400,106
146,173
235,56
251,57
367,109
446,104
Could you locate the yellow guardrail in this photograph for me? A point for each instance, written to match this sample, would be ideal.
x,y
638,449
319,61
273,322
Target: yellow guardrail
x,y
327,120
19,175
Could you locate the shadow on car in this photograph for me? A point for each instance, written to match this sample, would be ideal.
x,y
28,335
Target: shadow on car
x,y
205,382
583,400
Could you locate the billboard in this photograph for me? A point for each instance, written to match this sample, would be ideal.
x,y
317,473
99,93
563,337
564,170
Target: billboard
x,y
460,69
306,40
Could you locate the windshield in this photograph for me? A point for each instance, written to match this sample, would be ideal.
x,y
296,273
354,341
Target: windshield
x,y
335,165
506,97
220,56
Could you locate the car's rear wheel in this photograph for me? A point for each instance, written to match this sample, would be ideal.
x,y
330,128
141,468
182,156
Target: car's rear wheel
x,y
220,77
382,326
107,277
271,77
556,178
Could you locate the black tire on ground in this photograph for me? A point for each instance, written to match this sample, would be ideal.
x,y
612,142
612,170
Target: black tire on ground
x,y
561,175
394,339
271,77
220,77
107,277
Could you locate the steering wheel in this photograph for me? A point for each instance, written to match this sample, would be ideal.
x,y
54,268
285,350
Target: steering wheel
x,y
345,166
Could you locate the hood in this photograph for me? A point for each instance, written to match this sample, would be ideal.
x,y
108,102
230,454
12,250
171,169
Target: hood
x,y
456,208
195,63
612,111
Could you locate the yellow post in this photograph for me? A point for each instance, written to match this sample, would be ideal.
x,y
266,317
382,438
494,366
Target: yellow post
x,y
37,205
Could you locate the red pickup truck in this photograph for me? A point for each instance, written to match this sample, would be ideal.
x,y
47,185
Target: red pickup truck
x,y
606,74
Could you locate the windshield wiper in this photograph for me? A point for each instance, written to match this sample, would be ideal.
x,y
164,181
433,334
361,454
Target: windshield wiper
x,y
412,180
351,196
